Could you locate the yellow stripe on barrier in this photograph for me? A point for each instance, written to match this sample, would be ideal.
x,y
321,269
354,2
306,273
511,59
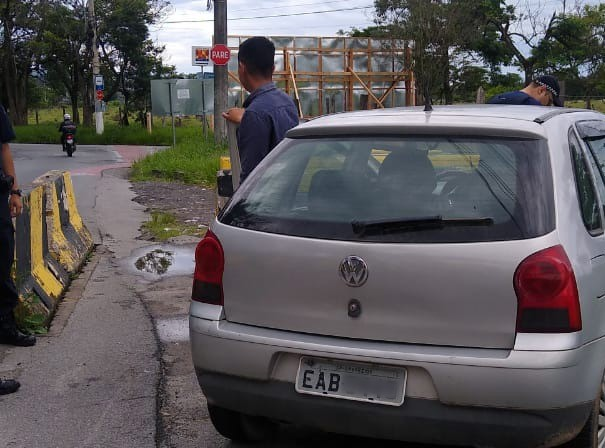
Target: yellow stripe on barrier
x,y
61,249
225,163
45,278
74,216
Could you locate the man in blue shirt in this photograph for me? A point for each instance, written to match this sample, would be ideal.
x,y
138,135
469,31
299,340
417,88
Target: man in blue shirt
x,y
542,91
268,112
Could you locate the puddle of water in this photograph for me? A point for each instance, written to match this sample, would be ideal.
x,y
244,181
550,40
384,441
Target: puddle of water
x,y
155,262
173,330
163,260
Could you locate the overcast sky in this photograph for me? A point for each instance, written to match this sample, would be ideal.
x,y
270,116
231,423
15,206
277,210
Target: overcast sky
x,y
180,37
296,18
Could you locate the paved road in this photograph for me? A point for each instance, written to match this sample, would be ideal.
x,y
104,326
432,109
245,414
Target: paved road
x,y
86,167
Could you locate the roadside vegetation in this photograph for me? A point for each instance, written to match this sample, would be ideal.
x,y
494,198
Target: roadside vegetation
x,y
194,160
113,135
598,105
30,314
163,226
43,127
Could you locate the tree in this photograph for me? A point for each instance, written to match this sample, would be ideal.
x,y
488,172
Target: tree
x,y
40,95
49,44
521,34
443,33
130,58
19,20
575,48
61,50
466,81
503,82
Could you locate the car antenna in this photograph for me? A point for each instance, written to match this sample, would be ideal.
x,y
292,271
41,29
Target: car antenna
x,y
428,107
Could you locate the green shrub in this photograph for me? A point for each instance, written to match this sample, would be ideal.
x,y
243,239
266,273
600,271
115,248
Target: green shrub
x,y
193,161
47,132
164,226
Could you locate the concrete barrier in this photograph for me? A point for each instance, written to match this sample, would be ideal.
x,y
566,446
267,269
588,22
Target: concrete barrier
x,y
52,242
69,240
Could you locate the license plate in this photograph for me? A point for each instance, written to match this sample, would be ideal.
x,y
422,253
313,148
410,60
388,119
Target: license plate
x,y
70,141
351,381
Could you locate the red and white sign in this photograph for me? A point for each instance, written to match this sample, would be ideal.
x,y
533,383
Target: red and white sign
x,y
220,54
99,95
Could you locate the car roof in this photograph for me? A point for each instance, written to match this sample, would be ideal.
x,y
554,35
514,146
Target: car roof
x,y
491,119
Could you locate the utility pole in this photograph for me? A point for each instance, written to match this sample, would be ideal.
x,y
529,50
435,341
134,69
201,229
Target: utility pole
x,y
96,68
221,80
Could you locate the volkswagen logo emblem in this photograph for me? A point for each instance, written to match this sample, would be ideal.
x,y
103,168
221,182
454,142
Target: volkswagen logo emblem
x,y
353,271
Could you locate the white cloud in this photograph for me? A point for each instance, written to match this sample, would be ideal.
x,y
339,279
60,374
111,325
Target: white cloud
x,y
180,37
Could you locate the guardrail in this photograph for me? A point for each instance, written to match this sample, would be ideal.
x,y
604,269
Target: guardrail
x,y
51,240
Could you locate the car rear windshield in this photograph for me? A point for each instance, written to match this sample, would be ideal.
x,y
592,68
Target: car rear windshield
x,y
410,189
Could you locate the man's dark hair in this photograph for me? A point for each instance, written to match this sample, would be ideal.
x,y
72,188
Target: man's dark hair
x,y
258,55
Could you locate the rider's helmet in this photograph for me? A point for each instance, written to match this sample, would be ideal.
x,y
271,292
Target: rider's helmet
x,y
66,117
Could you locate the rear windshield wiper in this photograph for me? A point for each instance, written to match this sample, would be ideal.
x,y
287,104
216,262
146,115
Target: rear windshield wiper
x,y
419,223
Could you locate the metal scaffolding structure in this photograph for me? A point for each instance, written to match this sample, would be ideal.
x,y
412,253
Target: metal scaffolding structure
x,y
335,74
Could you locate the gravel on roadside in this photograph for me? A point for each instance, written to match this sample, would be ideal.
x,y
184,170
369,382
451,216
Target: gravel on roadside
x,y
192,205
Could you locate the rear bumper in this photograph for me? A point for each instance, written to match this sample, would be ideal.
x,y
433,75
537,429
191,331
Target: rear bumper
x,y
417,420
512,393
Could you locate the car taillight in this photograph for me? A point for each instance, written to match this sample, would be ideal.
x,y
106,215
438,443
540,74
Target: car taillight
x,y
547,293
209,267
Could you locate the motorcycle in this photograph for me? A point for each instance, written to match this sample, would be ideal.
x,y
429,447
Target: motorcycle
x,y
69,145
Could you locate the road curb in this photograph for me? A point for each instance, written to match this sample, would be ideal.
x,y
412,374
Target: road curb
x,y
74,293
52,242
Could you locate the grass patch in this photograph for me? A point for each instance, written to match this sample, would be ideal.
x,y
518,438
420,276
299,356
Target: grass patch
x,y
598,105
192,161
47,131
113,135
164,226
30,314
111,116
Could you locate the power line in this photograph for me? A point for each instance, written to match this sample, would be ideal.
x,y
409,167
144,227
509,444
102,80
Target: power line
x,y
254,29
289,6
274,16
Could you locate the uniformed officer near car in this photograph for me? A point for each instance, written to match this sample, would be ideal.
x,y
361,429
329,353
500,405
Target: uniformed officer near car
x,y
10,207
542,91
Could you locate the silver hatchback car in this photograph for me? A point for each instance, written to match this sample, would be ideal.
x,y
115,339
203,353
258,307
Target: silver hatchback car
x,y
432,277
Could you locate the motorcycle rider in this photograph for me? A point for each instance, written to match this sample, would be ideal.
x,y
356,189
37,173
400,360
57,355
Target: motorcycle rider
x,y
67,127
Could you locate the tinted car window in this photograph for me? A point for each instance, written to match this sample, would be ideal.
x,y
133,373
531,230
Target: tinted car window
x,y
597,174
587,196
390,189
593,133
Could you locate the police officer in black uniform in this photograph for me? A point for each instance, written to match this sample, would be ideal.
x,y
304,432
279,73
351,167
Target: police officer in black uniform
x,y
10,206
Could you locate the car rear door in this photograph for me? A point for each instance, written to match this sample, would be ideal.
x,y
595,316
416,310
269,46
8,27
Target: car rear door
x,y
295,261
587,145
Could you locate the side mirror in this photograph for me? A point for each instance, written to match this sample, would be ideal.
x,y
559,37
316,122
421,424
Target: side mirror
x,y
224,182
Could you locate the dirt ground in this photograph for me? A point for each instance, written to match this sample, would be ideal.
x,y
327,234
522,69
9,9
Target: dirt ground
x,y
183,419
190,204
